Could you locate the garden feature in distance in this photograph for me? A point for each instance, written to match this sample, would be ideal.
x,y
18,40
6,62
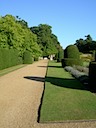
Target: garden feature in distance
x,y
65,98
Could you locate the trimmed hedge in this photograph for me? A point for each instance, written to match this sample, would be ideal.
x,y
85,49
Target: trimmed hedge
x,y
71,62
60,55
72,51
92,76
82,69
14,57
81,76
1,60
95,56
63,63
20,60
36,58
72,56
8,58
27,58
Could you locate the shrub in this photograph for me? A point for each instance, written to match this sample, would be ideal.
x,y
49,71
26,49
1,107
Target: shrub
x,y
27,59
1,60
8,58
72,56
20,60
81,76
14,57
86,57
71,51
94,55
32,59
60,55
71,62
74,72
56,56
92,76
35,58
68,68
63,63
82,69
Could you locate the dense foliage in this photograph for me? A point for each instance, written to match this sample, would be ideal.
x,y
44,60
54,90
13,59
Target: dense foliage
x,y
27,57
47,41
71,51
71,62
8,58
60,55
86,45
92,76
81,76
71,56
14,34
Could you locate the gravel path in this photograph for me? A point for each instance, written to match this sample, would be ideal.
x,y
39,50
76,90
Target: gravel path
x,y
20,98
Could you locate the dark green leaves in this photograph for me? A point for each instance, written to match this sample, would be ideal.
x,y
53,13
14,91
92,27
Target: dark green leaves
x,y
14,33
47,41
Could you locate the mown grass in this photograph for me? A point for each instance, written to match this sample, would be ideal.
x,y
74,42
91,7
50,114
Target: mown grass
x,y
65,98
8,70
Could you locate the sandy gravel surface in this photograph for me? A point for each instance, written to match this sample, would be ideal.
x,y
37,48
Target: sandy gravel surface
x,y
20,99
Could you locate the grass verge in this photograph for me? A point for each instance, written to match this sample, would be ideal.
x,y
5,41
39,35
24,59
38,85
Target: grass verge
x,y
65,98
13,68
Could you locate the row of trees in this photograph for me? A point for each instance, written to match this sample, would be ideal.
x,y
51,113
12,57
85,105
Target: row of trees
x,y
16,35
86,45
47,41
38,40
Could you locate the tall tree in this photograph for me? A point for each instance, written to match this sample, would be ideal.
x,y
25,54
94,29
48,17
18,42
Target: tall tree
x,y
86,45
47,41
15,34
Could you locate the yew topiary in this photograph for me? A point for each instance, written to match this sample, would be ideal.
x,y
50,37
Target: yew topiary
x,y
72,51
92,76
71,56
27,59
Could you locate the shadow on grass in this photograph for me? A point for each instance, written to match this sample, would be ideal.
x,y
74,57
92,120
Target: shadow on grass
x,y
50,66
61,82
55,66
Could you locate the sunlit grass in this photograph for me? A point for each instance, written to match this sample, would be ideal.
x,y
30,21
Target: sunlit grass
x,y
7,70
65,98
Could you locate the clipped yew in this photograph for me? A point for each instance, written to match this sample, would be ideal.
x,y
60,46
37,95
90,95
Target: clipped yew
x,y
27,59
72,51
60,55
8,58
72,56
92,76
1,60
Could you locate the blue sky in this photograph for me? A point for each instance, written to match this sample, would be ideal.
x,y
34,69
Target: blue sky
x,y
70,19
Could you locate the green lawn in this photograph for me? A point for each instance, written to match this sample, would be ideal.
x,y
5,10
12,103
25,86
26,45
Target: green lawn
x,y
7,70
65,98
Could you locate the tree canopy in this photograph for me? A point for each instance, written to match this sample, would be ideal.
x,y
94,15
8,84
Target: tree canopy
x,y
38,40
14,33
47,41
86,45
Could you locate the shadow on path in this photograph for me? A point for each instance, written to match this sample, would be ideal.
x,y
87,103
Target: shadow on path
x,y
61,82
40,79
